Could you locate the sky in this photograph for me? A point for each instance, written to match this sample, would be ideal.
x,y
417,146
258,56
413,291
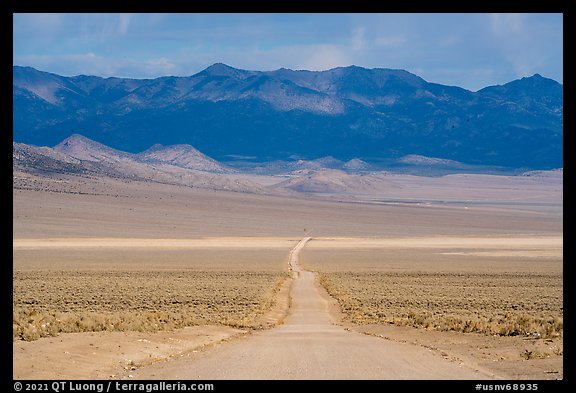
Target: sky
x,y
467,50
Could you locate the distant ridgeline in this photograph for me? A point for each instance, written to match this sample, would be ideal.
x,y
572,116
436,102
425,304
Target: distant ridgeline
x,y
346,113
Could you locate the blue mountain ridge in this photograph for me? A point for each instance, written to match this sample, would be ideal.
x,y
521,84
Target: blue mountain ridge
x,y
346,112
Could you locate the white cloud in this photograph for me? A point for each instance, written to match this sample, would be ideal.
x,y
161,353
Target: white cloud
x,y
42,27
503,24
160,66
124,23
299,57
518,42
323,57
390,41
358,40
74,64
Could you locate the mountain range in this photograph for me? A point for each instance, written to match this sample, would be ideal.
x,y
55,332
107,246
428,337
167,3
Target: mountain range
x,y
372,116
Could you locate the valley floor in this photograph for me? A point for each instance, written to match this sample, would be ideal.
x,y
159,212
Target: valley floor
x,y
113,227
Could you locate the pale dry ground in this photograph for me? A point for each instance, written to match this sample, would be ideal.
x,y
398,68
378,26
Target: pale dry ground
x,y
308,345
513,192
386,286
525,245
110,208
164,245
521,193
106,355
140,284
104,209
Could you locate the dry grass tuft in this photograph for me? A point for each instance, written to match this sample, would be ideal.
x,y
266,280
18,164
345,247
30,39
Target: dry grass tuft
x,y
533,355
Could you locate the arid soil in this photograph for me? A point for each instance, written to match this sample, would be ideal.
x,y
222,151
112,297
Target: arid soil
x,y
440,292
111,227
105,355
308,345
102,208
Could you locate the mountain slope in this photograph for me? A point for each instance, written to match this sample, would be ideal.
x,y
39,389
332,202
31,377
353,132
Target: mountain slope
x,y
78,155
86,149
28,158
347,112
184,156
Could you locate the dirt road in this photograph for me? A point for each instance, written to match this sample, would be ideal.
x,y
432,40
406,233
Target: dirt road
x,y
309,346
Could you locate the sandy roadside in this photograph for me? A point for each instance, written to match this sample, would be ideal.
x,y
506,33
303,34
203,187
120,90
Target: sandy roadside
x,y
105,355
209,242
457,242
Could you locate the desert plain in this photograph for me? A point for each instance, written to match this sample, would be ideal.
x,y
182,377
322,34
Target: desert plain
x,y
458,276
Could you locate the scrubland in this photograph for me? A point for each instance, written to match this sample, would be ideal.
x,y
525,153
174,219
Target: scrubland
x,y
506,288
70,288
